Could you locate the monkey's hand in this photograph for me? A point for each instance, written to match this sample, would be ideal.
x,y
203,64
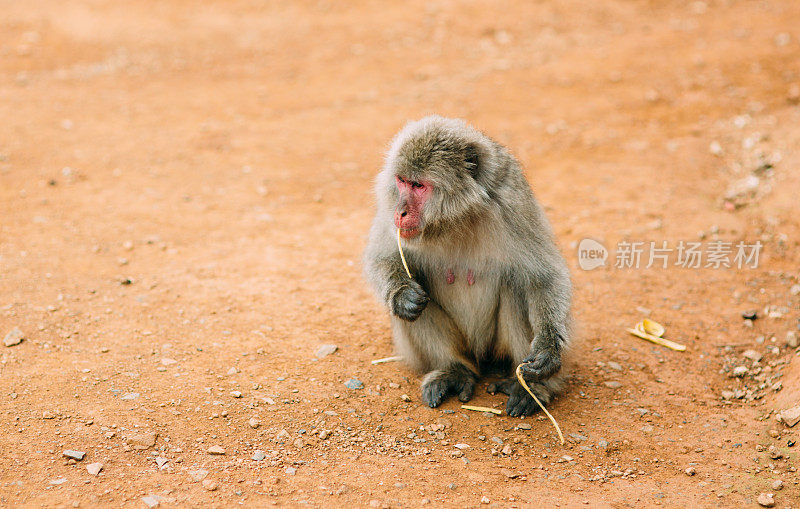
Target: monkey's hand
x,y
409,301
541,365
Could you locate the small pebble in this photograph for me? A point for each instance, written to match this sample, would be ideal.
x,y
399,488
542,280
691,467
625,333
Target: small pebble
x,y
354,383
94,468
76,455
485,500
290,470
198,475
750,314
690,471
777,485
612,384
209,484
254,423
216,450
13,338
766,500
258,455
150,501
236,394
740,371
792,340
752,355
326,350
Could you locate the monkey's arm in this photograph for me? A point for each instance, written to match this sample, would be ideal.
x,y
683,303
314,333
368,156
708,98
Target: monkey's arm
x,y
548,301
405,297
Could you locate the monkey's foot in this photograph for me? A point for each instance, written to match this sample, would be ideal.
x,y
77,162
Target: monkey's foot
x,y
438,384
505,386
519,401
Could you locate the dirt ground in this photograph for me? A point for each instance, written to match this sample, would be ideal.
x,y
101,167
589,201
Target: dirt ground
x,y
185,190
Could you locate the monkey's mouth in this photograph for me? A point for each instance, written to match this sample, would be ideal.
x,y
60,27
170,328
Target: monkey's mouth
x,y
409,233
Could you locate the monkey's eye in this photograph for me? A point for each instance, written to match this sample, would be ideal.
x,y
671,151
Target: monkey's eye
x,y
417,185
401,179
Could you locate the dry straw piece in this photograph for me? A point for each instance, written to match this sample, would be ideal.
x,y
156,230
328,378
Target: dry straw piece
x,y
402,256
552,419
393,358
652,331
482,409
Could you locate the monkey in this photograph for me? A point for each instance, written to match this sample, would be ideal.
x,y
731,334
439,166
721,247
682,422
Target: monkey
x,y
490,289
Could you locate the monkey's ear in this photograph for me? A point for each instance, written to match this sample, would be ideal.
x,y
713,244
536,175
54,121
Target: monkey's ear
x,y
471,160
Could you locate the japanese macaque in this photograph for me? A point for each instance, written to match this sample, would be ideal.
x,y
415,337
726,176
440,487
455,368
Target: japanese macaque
x,y
490,289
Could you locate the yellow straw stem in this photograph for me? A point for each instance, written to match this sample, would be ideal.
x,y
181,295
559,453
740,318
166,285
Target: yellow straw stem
x,y
402,256
552,419
482,409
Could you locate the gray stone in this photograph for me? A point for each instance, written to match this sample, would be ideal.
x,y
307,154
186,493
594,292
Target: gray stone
x,y
142,441
765,500
151,500
354,383
612,384
94,468
76,455
791,339
791,416
14,337
259,455
216,450
326,350
740,371
198,475
752,355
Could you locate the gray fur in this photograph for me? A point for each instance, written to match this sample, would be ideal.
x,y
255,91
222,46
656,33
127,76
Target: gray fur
x,y
481,216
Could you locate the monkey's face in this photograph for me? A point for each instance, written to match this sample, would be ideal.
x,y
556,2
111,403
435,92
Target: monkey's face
x,y
412,196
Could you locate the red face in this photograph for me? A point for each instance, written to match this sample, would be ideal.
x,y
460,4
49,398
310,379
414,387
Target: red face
x,y
408,214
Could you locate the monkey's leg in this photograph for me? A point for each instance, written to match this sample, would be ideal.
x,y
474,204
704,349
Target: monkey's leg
x,y
513,341
434,345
